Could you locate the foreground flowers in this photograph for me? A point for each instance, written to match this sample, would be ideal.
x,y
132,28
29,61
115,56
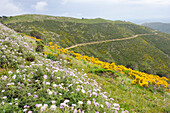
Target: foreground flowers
x,y
44,85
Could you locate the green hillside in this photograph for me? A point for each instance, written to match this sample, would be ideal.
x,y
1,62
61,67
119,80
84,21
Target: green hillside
x,y
33,82
128,51
33,17
148,53
163,27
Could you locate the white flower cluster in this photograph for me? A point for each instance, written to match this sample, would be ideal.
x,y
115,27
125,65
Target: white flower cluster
x,y
13,47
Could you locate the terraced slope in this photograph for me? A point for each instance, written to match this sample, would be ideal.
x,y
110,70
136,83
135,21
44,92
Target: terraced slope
x,y
148,53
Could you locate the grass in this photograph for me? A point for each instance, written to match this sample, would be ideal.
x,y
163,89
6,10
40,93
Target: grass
x,y
131,97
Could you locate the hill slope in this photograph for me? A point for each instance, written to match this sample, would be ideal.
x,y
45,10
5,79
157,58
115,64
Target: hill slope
x,y
44,85
148,53
163,27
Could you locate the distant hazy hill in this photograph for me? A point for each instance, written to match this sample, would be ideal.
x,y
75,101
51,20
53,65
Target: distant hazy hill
x,y
163,27
149,53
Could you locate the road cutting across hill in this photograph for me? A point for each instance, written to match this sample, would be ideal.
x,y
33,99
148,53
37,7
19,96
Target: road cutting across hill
x,y
111,40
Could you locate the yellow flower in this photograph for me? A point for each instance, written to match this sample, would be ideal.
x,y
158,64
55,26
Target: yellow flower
x,y
169,90
38,39
52,47
134,81
50,43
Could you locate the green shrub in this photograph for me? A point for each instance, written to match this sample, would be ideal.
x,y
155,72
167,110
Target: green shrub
x,y
18,30
30,57
162,73
4,17
51,56
132,65
36,34
148,70
104,72
40,46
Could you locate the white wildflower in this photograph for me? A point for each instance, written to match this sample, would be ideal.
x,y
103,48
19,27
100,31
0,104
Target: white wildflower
x,y
53,102
10,72
50,92
83,91
88,102
47,83
53,107
80,102
54,85
14,77
3,91
24,110
4,97
66,101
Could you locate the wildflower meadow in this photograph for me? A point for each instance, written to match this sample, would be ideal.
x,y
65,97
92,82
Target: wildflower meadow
x,y
32,83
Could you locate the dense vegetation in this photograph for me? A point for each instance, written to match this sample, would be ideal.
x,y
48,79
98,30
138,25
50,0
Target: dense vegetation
x,y
148,53
147,60
45,85
163,27
69,33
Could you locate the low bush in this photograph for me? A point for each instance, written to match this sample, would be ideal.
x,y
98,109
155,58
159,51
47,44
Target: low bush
x,y
133,65
36,34
40,46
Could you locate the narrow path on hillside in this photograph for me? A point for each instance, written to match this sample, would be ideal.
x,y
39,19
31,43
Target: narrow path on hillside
x,y
111,40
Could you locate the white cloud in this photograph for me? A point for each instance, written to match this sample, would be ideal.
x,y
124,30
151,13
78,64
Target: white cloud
x,y
149,2
152,2
40,6
8,8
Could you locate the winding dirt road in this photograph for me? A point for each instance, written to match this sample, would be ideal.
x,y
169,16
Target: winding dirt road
x,y
111,40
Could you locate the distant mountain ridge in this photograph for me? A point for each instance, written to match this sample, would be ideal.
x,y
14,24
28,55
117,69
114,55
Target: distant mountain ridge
x,y
163,27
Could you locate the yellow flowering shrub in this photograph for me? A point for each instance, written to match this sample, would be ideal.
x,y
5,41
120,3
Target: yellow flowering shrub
x,y
140,78
50,43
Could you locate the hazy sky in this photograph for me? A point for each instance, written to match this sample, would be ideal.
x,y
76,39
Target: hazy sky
x,y
137,11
